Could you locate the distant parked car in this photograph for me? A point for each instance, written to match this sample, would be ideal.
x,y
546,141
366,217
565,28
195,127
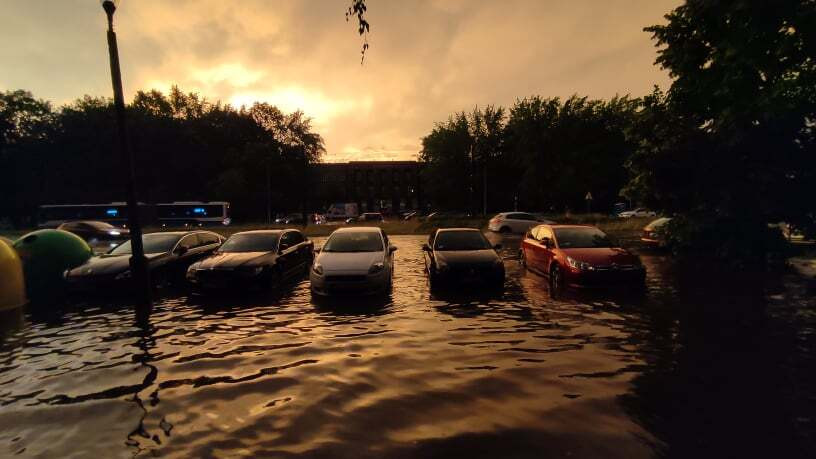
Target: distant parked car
x,y
639,212
93,231
447,215
457,256
168,257
654,234
358,260
515,222
367,217
578,255
291,219
264,258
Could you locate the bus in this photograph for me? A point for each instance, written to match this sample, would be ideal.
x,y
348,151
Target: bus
x,y
115,213
193,213
184,213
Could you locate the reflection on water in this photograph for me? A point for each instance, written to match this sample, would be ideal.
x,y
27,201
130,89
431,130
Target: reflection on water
x,y
702,364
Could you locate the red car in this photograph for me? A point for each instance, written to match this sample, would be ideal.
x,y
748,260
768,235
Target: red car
x,y
578,255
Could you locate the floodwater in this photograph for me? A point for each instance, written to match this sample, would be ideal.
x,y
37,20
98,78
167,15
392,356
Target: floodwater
x,y
703,364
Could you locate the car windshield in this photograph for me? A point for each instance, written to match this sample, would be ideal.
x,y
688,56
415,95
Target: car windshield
x,y
153,243
258,242
460,240
368,241
581,238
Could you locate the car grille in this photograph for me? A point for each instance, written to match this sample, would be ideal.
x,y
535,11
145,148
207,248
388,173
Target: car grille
x,y
346,278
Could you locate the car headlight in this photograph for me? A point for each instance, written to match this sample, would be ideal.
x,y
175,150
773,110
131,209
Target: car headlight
x,y
578,264
124,275
375,268
318,269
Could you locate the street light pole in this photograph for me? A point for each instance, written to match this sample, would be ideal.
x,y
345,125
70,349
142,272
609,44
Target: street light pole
x,y
138,263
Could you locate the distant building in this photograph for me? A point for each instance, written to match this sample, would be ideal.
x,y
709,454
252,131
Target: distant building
x,y
376,186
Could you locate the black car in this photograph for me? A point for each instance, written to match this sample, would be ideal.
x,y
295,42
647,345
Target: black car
x,y
261,258
291,219
168,256
462,256
93,231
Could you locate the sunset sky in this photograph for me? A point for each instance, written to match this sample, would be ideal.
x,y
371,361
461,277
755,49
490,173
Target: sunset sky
x,y
427,59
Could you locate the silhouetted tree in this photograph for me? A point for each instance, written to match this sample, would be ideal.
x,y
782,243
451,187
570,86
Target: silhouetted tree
x,y
733,140
187,148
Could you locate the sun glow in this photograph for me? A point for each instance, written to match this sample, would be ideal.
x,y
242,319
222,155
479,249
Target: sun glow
x,y
314,104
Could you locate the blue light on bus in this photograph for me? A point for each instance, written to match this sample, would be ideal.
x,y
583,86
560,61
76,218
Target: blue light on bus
x,y
199,211
112,212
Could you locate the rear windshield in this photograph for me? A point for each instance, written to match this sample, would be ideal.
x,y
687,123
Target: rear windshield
x,y
251,243
354,242
461,240
153,243
581,238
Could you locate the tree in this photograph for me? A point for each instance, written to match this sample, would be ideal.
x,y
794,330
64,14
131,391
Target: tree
x,y
734,137
187,149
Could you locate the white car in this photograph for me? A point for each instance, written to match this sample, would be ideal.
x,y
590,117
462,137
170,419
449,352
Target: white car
x,y
515,222
639,212
357,261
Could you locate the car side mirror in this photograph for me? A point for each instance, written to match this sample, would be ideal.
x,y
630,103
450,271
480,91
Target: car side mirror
x,y
181,250
392,248
426,248
497,246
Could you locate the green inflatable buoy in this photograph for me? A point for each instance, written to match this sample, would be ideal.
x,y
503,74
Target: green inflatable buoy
x,y
46,254
12,285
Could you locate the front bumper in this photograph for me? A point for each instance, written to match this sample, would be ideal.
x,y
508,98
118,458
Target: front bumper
x,y
605,278
469,276
214,279
349,283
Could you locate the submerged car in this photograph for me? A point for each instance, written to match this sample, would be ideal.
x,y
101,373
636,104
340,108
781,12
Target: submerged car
x,y
654,234
354,261
94,231
579,256
515,222
639,212
263,258
462,256
168,257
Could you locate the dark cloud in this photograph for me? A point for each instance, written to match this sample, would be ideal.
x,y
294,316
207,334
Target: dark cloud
x,y
428,58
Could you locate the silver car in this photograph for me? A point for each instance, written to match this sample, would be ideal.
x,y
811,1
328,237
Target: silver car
x,y
354,261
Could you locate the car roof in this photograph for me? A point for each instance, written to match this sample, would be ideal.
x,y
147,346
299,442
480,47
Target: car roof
x,y
274,231
441,230
179,233
559,225
361,229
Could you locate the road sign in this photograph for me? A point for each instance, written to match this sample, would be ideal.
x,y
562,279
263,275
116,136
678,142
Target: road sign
x,y
588,196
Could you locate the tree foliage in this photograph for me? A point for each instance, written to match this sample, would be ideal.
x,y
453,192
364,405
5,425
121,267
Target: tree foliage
x,y
187,148
734,137
546,155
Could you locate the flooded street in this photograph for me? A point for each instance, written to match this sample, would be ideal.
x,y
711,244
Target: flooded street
x,y
698,366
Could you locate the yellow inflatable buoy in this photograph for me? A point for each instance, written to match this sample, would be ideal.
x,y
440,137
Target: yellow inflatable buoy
x,y
12,285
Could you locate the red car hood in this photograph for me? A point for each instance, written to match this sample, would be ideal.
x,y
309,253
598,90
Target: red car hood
x,y
602,256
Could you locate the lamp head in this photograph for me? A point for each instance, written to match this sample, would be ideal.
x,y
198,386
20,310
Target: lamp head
x,y
109,6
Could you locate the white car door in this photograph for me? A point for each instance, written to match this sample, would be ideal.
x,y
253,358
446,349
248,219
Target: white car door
x,y
521,222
